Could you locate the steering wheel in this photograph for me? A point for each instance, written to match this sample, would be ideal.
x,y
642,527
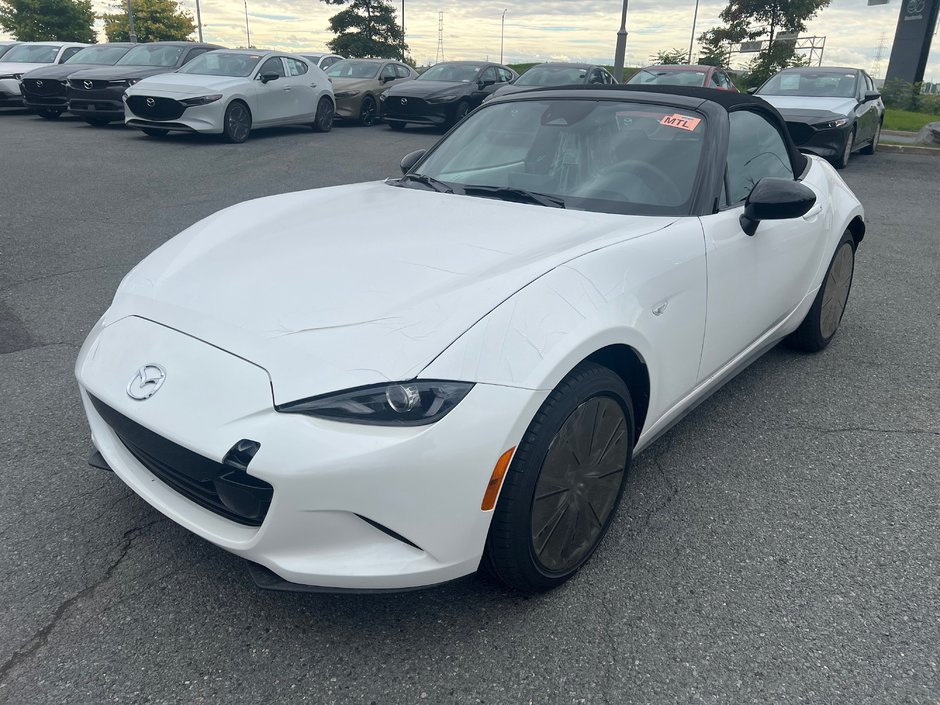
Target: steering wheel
x,y
655,179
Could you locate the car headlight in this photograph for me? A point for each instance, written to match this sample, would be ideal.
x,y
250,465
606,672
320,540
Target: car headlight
x,y
414,403
201,100
443,99
346,94
831,124
383,95
6,76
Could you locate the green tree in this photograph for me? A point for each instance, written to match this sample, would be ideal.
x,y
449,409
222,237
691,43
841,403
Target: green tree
x,y
714,51
671,56
154,21
368,29
48,20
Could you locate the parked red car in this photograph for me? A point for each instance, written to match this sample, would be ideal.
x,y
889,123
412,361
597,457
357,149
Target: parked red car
x,y
683,75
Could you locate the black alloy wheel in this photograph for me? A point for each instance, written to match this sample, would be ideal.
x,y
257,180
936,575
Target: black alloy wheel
x,y
155,131
236,125
49,113
872,146
821,323
460,112
564,483
842,160
323,122
368,111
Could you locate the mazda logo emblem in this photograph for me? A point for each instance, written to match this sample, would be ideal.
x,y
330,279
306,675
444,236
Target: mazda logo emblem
x,y
88,85
404,101
38,84
151,102
146,382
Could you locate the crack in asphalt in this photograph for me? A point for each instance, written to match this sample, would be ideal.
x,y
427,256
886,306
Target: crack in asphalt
x,y
867,429
41,637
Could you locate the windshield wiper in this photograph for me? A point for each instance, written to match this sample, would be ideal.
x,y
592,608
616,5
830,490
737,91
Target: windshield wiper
x,y
516,195
425,180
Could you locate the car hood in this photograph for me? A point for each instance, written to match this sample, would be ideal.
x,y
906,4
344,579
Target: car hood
x,y
429,89
186,84
9,67
354,285
810,104
58,71
122,71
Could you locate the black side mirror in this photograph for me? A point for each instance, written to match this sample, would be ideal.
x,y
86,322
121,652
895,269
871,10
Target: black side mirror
x,y
752,90
871,95
775,199
483,83
386,79
265,77
410,159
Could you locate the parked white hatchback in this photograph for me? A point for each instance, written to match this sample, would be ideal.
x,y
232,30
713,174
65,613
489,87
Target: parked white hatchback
x,y
26,57
231,92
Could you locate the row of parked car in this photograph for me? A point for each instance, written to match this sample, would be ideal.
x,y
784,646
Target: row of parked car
x,y
160,87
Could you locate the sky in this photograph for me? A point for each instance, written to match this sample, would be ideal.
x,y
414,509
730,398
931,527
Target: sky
x,y
542,30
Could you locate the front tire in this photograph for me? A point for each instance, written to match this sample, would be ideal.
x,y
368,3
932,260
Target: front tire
x,y
368,111
842,160
49,113
98,122
323,122
821,323
564,483
236,125
460,112
872,147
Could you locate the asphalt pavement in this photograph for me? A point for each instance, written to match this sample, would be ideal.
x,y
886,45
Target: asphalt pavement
x,y
780,545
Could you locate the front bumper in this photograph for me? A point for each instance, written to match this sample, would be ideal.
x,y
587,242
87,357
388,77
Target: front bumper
x,y
101,103
204,119
823,142
10,95
418,111
354,507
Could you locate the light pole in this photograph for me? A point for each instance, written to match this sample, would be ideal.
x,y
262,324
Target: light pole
x,y
502,34
402,30
247,28
621,50
198,20
692,39
130,23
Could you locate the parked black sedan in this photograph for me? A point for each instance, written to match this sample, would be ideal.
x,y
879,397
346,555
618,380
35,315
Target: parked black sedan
x,y
95,94
444,93
557,74
45,90
830,112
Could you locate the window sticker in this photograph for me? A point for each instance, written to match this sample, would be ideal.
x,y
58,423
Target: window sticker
x,y
683,122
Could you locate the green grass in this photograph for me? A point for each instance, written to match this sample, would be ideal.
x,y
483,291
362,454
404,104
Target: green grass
x,y
907,121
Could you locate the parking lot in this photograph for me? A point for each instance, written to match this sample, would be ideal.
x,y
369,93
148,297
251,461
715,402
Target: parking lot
x,y
779,545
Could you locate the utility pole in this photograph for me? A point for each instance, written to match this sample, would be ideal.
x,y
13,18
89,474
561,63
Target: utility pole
x,y
198,20
402,30
692,39
130,23
247,28
621,50
502,34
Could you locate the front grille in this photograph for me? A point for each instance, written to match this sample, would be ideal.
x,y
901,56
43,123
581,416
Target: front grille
x,y
87,84
800,132
43,87
155,108
223,488
410,106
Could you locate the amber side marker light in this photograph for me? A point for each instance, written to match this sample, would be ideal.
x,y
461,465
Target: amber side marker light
x,y
496,480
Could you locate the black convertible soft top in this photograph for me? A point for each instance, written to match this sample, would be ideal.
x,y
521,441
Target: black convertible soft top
x,y
730,101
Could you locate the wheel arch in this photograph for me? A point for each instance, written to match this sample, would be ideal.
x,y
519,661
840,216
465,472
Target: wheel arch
x,y
624,361
856,227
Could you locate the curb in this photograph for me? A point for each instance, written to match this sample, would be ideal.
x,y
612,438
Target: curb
x,y
908,149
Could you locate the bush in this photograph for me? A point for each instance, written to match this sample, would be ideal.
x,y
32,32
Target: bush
x,y
907,96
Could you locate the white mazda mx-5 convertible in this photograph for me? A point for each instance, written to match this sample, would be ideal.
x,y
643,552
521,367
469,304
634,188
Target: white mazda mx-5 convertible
x,y
460,378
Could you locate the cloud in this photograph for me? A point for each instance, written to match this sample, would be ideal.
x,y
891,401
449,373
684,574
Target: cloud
x,y
546,29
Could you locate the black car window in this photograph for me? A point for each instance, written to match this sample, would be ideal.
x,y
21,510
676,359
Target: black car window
x,y
389,72
294,67
402,71
193,53
489,75
505,76
596,77
755,150
272,65
69,53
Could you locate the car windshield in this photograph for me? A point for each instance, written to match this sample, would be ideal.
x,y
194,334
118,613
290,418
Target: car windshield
x,y
152,55
821,84
102,55
354,69
552,76
668,78
608,156
31,54
220,63
451,73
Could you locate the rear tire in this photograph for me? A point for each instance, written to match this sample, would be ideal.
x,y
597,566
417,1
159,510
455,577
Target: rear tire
x,y
236,125
323,122
564,483
821,323
154,131
49,113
